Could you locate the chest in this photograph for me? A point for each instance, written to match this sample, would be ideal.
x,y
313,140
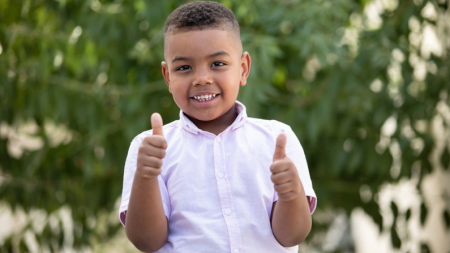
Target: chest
x,y
198,170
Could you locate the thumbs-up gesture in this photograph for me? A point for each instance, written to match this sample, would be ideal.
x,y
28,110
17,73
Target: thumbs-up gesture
x,y
152,150
284,174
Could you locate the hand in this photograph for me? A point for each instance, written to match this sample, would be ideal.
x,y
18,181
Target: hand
x,y
152,150
284,174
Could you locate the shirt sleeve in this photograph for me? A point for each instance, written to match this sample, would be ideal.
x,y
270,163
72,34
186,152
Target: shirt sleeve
x,y
295,152
128,177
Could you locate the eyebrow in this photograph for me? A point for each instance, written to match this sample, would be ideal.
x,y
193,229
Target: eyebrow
x,y
181,58
217,54
185,58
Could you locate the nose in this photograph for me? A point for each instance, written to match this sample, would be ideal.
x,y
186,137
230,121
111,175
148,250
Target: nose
x,y
202,77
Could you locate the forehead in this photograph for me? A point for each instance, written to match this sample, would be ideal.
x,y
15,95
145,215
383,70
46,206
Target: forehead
x,y
197,43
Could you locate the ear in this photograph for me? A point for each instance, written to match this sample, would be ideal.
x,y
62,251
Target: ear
x,y
165,72
246,63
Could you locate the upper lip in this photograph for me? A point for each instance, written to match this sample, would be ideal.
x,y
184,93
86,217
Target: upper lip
x,y
200,93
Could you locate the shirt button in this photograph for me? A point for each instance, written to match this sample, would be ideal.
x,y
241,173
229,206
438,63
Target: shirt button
x,y
227,211
220,175
235,251
218,139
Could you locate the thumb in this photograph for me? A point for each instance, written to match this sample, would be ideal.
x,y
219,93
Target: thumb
x,y
157,124
280,147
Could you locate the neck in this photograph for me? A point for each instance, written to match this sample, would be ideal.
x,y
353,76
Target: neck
x,y
216,126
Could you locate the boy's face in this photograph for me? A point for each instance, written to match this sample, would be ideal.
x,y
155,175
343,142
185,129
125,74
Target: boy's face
x,y
204,69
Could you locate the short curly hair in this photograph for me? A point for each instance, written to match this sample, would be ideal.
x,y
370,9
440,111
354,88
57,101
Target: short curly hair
x,y
201,15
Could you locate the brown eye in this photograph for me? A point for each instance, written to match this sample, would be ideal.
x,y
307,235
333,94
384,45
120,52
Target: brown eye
x,y
218,64
185,67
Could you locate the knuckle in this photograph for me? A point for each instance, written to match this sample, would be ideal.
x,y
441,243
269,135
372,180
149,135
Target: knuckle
x,y
273,168
285,163
158,152
292,172
276,187
147,140
155,171
153,140
282,177
159,142
139,162
157,162
273,178
143,147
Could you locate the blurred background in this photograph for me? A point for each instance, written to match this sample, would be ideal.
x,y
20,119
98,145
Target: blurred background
x,y
364,85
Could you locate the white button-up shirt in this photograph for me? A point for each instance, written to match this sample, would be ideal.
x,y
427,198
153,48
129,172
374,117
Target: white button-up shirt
x,y
216,190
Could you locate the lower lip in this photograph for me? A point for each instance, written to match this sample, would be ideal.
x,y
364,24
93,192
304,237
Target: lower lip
x,y
205,103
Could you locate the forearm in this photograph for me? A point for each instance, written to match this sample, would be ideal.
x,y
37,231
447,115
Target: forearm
x,y
291,220
146,225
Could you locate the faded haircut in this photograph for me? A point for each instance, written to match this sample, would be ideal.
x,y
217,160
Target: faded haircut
x,y
200,16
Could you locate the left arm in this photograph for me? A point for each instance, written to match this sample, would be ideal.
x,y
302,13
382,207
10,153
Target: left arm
x,y
291,221
290,218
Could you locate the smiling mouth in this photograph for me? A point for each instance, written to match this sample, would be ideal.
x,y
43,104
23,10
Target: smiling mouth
x,y
202,98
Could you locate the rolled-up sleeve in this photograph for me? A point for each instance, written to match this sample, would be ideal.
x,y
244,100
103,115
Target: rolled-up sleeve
x,y
295,152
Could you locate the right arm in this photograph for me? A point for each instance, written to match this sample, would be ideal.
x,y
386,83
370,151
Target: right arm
x,y
146,224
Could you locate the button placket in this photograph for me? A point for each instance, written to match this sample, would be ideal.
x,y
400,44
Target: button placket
x,y
225,195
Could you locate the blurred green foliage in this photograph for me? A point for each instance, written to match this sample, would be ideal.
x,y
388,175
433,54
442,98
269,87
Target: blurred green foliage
x,y
94,67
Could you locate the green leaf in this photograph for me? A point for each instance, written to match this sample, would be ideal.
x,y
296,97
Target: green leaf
x,y
423,214
445,158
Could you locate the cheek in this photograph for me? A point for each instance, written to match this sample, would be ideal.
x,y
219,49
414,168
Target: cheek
x,y
230,82
179,93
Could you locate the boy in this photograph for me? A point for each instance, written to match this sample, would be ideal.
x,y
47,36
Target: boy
x,y
215,180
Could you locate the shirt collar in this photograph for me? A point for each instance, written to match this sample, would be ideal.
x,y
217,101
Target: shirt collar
x,y
238,122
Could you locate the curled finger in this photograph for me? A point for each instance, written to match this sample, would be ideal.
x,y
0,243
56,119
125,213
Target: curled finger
x,y
281,177
156,141
151,161
150,150
283,188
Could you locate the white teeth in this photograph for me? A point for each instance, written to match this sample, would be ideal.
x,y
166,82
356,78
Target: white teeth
x,y
205,97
